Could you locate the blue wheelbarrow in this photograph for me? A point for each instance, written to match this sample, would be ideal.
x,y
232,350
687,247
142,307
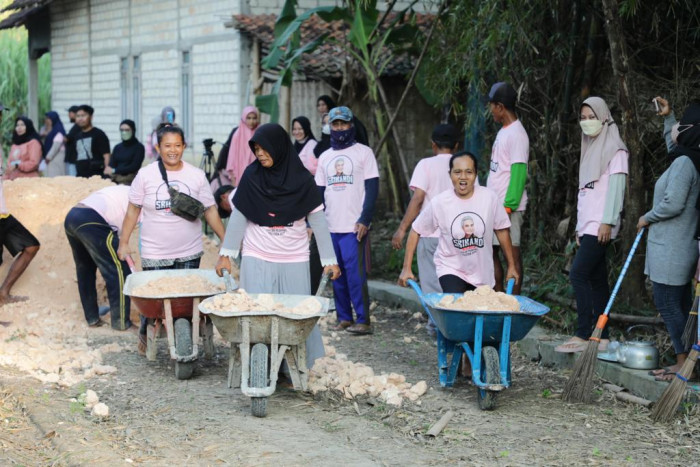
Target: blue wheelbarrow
x,y
484,336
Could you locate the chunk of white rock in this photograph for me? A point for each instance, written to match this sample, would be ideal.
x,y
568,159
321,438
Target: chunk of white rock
x,y
100,410
91,399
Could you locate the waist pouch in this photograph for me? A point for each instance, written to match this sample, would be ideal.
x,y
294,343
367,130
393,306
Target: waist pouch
x,y
181,205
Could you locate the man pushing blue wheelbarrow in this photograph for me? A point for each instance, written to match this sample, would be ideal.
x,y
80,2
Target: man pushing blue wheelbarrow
x,y
484,336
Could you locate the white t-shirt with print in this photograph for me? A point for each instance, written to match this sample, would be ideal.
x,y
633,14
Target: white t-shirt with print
x,y
432,175
163,234
512,146
343,173
111,203
466,231
591,198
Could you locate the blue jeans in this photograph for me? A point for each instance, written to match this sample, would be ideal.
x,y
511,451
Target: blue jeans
x,y
191,264
350,289
674,303
589,277
94,245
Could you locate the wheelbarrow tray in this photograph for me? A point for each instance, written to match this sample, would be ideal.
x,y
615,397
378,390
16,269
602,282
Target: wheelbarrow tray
x,y
151,306
293,328
459,325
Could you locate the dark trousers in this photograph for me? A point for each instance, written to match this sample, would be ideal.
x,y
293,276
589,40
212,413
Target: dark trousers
x,y
315,268
589,277
673,303
94,245
453,284
191,264
350,289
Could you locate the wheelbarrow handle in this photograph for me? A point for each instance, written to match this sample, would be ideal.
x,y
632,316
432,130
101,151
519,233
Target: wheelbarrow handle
x,y
229,281
414,285
323,283
510,285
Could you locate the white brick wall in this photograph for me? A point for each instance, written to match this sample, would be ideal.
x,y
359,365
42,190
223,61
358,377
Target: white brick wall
x,y
106,96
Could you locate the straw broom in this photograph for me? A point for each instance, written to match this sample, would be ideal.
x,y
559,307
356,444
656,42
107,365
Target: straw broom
x,y
691,326
667,405
579,388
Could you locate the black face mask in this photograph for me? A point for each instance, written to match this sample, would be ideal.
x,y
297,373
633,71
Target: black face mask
x,y
341,139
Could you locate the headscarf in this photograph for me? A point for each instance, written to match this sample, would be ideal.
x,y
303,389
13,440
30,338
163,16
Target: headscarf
x,y
689,144
164,114
597,152
28,135
308,134
330,103
281,194
56,127
239,153
131,141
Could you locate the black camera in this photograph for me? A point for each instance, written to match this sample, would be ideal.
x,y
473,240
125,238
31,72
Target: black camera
x,y
208,143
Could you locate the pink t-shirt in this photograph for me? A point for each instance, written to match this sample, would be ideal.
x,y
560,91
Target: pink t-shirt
x,y
343,172
307,156
432,175
466,233
512,146
591,198
280,244
111,203
163,234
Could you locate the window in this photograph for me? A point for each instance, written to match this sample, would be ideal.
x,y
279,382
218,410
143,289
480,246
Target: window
x,y
124,84
186,85
136,90
130,83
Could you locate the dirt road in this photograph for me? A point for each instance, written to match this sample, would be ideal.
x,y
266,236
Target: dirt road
x,y
158,420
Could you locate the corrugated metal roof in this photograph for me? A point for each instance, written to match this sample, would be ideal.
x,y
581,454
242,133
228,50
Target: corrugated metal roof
x,y
21,10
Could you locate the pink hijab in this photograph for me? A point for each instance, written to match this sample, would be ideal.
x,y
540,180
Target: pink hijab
x,y
239,153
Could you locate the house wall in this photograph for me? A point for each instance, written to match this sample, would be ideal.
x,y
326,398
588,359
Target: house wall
x,y
91,38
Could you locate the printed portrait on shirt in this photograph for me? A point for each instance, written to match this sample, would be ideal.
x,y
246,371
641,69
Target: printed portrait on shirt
x,y
339,171
163,197
83,148
468,232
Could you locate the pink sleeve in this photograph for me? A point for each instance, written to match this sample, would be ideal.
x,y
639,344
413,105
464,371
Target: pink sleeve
x,y
206,197
620,163
31,163
419,179
426,222
310,160
137,190
320,175
371,170
500,217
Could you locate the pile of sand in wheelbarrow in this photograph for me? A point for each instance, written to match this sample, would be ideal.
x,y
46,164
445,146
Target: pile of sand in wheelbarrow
x,y
336,372
240,301
188,284
484,298
47,335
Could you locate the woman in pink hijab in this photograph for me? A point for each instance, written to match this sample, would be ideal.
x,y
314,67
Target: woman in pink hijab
x,y
238,152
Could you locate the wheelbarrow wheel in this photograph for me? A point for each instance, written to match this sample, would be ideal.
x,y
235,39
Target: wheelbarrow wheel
x,y
490,375
183,345
258,378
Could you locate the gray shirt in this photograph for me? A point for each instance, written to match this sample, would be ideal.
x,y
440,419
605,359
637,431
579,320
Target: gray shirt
x,y
672,250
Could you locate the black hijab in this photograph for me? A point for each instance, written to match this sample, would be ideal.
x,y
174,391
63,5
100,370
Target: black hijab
x,y
689,144
131,141
330,103
56,128
28,135
308,134
322,145
281,194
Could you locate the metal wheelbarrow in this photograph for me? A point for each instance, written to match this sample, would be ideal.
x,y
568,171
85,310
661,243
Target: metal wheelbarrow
x,y
484,336
174,312
274,336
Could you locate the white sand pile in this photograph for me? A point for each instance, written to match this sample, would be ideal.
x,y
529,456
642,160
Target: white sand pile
x,y
484,298
336,372
48,335
189,284
240,301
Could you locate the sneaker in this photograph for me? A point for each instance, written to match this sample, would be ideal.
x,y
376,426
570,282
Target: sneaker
x,y
360,329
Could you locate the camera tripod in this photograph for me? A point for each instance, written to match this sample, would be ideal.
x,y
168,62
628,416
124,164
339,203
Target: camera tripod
x,y
208,164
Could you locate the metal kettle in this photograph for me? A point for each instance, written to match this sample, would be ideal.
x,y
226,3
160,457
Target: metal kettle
x,y
639,355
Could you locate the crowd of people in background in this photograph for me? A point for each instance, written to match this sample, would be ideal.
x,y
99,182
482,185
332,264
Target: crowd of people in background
x,y
301,206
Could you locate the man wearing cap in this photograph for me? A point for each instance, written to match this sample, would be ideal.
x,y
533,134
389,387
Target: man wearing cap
x,y
508,171
91,145
430,178
350,196
22,245
72,135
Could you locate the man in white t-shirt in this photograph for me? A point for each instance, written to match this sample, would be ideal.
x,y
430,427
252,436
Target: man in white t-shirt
x,y
347,175
430,178
508,172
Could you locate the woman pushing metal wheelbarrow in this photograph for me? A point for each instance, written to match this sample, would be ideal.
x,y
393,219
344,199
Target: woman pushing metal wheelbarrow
x,y
483,336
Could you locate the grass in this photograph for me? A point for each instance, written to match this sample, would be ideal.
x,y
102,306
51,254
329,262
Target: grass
x,y
13,85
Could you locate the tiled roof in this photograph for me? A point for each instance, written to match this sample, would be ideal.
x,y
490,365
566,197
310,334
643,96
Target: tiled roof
x,y
21,11
328,59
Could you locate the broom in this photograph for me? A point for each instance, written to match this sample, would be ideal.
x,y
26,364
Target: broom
x,y
580,384
667,405
691,326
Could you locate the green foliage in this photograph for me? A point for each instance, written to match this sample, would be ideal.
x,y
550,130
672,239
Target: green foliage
x,y
13,85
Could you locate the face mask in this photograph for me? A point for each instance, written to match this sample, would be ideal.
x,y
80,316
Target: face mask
x,y
343,139
674,133
326,130
591,127
126,135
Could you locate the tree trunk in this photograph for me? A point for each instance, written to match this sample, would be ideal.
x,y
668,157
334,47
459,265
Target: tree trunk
x,y
632,289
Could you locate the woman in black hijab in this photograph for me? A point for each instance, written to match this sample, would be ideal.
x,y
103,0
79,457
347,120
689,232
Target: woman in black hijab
x,y
127,156
275,198
25,152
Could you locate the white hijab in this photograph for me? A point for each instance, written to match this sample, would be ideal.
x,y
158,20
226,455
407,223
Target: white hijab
x,y
598,151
